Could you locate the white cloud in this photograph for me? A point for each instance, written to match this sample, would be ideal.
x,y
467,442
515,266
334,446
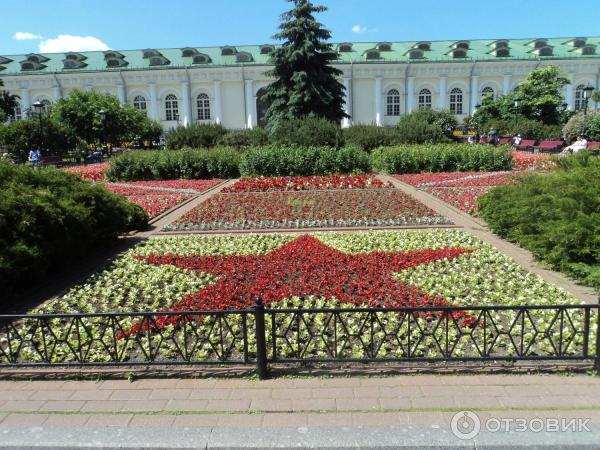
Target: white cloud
x,y
359,29
26,36
70,43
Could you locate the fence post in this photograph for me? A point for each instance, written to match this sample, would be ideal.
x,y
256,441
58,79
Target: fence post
x,y
261,346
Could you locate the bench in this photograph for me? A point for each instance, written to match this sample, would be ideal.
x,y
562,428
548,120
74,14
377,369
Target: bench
x,y
526,144
504,140
549,146
55,161
594,145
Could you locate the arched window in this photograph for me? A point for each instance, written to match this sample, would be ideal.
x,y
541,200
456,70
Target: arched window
x,y
579,99
487,92
425,98
456,101
18,113
203,105
393,102
171,107
139,103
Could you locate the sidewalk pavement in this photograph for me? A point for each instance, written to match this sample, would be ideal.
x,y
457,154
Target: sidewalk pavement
x,y
215,410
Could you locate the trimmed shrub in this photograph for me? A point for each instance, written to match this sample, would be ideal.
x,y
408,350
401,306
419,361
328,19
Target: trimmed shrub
x,y
556,216
440,158
425,126
294,160
308,132
369,137
198,135
527,128
583,125
241,139
219,162
48,217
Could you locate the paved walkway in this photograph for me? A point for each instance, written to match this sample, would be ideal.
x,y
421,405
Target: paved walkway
x,y
420,405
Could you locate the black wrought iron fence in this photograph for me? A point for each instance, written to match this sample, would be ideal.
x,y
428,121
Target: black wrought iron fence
x,y
261,336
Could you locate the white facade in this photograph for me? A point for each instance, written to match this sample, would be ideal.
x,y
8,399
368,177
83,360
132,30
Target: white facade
x,y
378,93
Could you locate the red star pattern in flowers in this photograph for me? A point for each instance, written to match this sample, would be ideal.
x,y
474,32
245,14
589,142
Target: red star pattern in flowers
x,y
302,267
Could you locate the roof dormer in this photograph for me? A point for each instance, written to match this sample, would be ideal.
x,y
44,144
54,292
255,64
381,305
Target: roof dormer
x,y
538,43
201,58
500,43
458,53
372,54
243,57
577,42
228,50
502,52
74,56
546,50
36,58
113,54
158,60
4,60
415,53
586,50
150,53
462,45
70,63
28,65
344,47
424,46
188,52
384,47
267,49
112,63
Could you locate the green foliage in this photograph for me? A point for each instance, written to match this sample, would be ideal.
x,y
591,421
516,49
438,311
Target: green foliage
x,y
527,128
440,158
369,137
424,125
306,84
218,162
556,216
22,135
307,132
540,97
7,103
48,216
295,160
80,112
583,125
241,139
199,135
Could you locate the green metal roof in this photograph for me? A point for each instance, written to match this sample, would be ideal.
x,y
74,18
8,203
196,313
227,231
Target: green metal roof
x,y
479,50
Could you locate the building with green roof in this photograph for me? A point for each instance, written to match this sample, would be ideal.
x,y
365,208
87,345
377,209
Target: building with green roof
x,y
222,84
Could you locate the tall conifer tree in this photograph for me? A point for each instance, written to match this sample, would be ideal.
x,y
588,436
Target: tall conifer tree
x,y
306,83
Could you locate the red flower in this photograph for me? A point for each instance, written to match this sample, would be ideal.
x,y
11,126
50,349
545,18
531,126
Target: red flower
x,y
265,184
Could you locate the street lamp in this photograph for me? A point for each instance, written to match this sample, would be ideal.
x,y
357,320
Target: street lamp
x,y
102,115
38,108
587,93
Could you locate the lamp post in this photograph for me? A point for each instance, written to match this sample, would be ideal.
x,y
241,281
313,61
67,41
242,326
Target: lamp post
x,y
102,115
38,108
587,93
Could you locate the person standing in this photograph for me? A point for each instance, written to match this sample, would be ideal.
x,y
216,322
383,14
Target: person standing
x,y
35,157
492,137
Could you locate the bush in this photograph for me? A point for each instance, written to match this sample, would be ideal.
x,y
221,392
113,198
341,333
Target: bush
x,y
219,162
369,137
527,128
241,139
294,160
556,216
440,158
49,216
308,132
199,135
583,125
425,126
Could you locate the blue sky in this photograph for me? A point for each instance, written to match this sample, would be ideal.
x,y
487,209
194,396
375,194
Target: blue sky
x,y
61,25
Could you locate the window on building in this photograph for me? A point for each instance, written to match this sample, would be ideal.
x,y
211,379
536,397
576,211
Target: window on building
x,y
487,92
424,98
139,103
203,105
456,101
171,107
393,102
579,99
18,113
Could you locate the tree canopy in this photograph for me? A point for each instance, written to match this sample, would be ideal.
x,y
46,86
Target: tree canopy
x,y
7,103
306,83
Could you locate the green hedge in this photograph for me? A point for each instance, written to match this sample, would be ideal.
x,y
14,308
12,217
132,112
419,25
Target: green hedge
x,y
556,216
295,160
219,162
440,158
48,217
369,137
198,135
307,132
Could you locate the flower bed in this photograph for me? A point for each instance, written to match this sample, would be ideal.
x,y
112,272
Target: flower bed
x,y
323,270
265,184
342,208
536,161
197,186
461,189
91,172
153,201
